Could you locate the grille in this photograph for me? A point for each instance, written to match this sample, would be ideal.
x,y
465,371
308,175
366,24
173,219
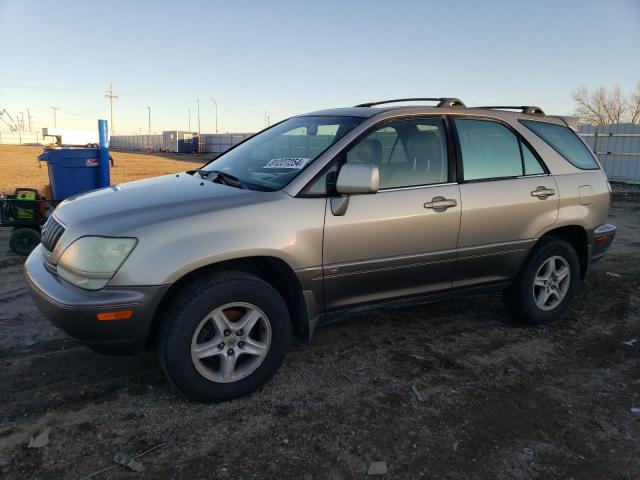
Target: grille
x,y
51,232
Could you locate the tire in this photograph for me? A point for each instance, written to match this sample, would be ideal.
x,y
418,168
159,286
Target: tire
x,y
520,297
23,240
240,297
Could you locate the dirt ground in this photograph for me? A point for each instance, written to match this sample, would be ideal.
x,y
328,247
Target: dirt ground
x,y
19,166
499,401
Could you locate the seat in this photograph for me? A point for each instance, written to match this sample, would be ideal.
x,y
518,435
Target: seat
x,y
425,163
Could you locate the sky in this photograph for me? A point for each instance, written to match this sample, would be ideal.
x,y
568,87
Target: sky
x,y
280,58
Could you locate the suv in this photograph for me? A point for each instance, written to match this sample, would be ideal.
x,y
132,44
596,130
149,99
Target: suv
x,y
322,215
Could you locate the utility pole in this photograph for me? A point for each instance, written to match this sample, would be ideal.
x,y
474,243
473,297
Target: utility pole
x,y
29,117
149,108
199,138
111,98
55,124
189,110
216,107
21,122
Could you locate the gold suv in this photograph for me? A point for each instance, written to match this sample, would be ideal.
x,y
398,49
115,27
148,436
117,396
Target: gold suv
x,y
319,216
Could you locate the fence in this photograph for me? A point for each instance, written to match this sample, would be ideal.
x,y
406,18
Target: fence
x,y
618,149
216,143
24,138
137,143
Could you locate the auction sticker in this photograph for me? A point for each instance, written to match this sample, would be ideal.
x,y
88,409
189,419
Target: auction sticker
x,y
294,163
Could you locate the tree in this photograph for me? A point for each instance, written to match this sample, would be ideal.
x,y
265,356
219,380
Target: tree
x,y
604,107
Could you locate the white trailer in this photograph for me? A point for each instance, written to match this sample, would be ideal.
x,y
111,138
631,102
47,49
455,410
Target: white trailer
x,y
65,136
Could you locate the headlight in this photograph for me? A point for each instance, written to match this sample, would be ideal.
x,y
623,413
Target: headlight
x,y
90,262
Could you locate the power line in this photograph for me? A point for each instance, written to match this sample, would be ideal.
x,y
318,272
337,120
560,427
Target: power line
x,y
111,98
55,123
29,117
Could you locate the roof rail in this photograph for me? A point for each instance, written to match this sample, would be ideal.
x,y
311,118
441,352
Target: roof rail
x,y
527,109
443,102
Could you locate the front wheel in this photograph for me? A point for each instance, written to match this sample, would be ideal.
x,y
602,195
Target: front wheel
x,y
224,336
544,287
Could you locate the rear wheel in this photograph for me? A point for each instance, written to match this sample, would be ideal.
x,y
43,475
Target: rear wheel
x,y
545,285
23,240
224,336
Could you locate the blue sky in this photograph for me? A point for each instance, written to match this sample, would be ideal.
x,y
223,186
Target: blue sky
x,y
287,57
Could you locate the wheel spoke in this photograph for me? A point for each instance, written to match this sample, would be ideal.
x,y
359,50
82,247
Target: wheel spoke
x,y
253,347
247,321
208,349
227,366
562,273
540,282
542,297
220,321
546,270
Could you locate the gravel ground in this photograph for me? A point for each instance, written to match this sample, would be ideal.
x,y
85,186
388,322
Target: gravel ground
x,y
499,401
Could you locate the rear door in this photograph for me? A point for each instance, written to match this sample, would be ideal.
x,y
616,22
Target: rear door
x,y
508,197
401,241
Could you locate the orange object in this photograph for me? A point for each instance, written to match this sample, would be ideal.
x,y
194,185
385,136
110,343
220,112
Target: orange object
x,y
121,315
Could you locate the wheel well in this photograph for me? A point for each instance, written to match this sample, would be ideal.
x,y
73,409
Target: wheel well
x,y
274,271
577,237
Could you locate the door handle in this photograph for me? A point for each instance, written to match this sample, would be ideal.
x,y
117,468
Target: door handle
x,y
440,204
543,192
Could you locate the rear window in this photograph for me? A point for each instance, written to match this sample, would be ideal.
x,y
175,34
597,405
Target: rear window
x,y
565,142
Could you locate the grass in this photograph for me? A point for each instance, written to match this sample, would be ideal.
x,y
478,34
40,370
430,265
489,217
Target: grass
x,y
19,167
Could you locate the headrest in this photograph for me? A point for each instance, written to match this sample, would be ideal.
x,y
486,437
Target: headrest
x,y
369,151
423,145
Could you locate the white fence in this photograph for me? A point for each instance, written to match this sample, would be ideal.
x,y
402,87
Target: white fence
x,y
216,143
137,143
24,138
618,149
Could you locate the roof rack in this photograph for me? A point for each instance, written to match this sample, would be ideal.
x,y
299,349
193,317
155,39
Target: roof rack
x,y
443,102
527,109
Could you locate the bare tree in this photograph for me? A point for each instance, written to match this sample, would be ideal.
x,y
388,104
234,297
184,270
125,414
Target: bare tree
x,y
603,107
634,105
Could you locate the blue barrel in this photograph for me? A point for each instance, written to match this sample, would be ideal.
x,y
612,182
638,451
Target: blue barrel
x,y
71,170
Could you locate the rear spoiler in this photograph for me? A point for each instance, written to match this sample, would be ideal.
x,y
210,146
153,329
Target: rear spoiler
x,y
569,121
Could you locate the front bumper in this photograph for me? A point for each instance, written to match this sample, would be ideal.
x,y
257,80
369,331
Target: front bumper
x,y
75,310
601,241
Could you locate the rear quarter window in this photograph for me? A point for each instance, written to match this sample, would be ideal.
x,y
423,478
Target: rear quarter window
x,y
565,142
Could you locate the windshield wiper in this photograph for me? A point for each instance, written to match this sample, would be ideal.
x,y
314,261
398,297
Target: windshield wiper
x,y
222,177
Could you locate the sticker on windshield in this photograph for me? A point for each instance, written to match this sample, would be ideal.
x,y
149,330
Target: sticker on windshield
x,y
294,163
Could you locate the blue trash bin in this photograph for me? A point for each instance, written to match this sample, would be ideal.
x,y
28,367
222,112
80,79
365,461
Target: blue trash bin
x,y
71,170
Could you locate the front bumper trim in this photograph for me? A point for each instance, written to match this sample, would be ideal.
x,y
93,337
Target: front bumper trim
x,y
74,310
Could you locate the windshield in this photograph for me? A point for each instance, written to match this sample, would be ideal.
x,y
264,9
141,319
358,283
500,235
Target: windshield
x,y
271,159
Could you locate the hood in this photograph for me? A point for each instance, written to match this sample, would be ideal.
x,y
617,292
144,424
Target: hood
x,y
121,207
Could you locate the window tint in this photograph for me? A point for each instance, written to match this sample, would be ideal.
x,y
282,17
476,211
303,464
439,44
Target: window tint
x,y
531,164
565,142
407,153
489,150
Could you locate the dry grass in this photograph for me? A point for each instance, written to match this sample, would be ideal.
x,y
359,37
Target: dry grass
x,y
19,167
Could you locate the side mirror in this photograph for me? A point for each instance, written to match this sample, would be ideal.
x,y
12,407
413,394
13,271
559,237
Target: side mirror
x,y
356,178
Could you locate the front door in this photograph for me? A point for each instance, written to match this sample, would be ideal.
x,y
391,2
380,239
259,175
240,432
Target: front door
x,y
401,241
507,197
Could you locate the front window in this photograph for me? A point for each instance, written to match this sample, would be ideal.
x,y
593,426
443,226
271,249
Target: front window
x,y
271,159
